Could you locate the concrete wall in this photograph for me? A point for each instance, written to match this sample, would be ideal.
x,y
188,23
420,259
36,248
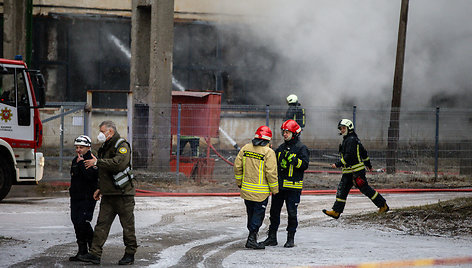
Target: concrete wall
x,y
184,9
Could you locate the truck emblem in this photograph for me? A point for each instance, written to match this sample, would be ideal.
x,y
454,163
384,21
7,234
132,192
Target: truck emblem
x,y
6,114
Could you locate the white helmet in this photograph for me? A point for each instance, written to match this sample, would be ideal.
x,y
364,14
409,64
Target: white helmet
x,y
83,140
347,123
292,99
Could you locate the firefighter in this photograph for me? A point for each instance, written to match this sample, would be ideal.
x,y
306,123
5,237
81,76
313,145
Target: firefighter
x,y
255,171
292,160
295,111
354,160
83,184
117,191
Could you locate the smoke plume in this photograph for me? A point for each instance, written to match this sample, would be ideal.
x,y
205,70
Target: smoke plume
x,y
333,53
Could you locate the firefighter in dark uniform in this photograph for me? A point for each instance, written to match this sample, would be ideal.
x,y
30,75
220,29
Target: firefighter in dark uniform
x,y
295,111
83,183
354,160
117,195
255,171
292,160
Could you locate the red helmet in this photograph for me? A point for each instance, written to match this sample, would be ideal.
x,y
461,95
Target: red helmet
x,y
292,126
264,133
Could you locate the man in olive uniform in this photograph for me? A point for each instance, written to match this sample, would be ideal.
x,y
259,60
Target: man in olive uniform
x,y
116,188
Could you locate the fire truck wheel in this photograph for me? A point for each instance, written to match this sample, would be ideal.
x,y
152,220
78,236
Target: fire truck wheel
x,y
5,181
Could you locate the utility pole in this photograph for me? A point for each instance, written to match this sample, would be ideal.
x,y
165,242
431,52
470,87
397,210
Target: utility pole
x,y
394,127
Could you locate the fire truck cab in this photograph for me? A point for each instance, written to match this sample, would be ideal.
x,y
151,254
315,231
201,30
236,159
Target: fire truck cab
x,y
20,125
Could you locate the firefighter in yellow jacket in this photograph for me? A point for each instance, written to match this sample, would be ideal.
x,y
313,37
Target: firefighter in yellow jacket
x,y
255,170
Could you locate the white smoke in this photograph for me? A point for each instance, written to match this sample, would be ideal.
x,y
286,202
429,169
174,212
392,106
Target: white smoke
x,y
333,53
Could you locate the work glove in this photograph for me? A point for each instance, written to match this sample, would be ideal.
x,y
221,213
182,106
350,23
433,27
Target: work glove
x,y
292,159
283,163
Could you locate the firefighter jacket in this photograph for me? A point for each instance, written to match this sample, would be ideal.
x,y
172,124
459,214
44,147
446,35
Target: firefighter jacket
x,y
111,160
83,181
255,170
353,155
297,113
293,158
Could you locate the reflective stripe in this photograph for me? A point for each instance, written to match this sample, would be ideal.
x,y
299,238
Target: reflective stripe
x,y
244,167
293,184
358,154
303,116
261,172
341,200
375,195
299,163
357,167
290,171
123,177
255,188
274,185
238,177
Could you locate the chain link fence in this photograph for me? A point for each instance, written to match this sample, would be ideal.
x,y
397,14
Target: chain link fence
x,y
205,138
62,123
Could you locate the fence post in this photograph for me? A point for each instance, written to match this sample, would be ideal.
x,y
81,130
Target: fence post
x,y
85,121
61,128
354,108
267,114
89,113
436,145
177,165
129,104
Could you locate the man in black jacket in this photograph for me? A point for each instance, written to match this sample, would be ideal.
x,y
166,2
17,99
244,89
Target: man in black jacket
x,y
354,160
292,160
83,184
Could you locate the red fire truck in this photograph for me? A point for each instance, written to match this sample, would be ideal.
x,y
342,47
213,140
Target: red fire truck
x,y
21,94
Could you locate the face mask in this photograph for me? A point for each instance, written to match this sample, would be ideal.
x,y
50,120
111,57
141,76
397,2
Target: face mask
x,y
101,137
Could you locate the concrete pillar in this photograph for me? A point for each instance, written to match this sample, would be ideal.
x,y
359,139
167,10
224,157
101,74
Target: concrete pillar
x,y
14,28
152,36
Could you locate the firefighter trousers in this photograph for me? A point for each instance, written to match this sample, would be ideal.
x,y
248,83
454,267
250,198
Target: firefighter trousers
x,y
291,199
358,179
255,214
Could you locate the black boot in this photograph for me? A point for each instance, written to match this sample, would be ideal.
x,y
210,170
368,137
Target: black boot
x,y
252,241
127,259
290,240
82,251
89,257
271,239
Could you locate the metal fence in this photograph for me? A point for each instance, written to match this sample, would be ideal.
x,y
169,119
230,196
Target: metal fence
x,y
62,123
432,142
